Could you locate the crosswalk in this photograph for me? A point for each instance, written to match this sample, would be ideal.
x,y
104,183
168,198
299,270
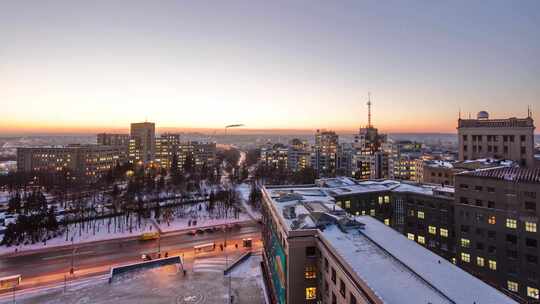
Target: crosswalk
x,y
210,264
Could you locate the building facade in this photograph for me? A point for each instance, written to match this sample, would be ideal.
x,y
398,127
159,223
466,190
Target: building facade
x,y
87,162
496,225
314,252
142,144
511,139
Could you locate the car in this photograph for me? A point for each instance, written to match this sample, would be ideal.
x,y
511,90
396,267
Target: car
x,y
209,230
192,232
200,231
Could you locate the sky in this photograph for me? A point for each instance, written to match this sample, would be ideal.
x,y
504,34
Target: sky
x,y
68,66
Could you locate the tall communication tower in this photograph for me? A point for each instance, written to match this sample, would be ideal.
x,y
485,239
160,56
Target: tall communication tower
x,y
369,109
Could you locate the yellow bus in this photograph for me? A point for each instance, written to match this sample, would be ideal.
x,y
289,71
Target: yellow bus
x,y
205,247
149,236
10,282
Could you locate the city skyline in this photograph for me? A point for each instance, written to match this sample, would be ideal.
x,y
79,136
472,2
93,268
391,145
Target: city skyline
x,y
82,68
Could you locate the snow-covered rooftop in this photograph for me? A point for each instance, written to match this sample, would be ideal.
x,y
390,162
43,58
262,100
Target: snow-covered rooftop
x,y
390,264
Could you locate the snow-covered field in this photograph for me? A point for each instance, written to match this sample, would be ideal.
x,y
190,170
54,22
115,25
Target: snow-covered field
x,y
104,229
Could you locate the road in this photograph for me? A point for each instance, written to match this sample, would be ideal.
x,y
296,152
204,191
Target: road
x,y
53,265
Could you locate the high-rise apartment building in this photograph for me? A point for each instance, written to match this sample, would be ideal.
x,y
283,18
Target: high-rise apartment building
x,y
511,138
402,159
142,143
276,156
496,218
324,154
299,155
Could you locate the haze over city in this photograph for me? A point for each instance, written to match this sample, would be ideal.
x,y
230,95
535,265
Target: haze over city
x,y
82,67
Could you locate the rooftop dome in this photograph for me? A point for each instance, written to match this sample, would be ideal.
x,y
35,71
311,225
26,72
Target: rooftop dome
x,y
482,115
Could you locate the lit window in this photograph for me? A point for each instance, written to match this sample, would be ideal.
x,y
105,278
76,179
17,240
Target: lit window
x,y
421,215
454,261
530,226
357,213
480,261
421,240
311,293
511,223
532,292
372,212
347,204
492,220
466,243
410,236
492,265
363,212
465,257
387,222
311,272
432,230
380,200
387,199
444,232
512,286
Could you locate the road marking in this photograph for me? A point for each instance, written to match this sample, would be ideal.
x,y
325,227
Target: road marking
x,y
66,255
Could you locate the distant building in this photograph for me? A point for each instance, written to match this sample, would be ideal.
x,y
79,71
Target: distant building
x,y
142,143
276,156
314,252
169,146
81,161
403,156
110,139
511,138
496,218
299,155
443,172
325,152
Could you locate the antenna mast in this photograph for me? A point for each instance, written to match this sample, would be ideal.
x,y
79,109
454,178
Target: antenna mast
x,y
369,109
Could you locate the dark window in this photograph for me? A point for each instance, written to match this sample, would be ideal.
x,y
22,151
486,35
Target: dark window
x,y
353,299
333,275
479,246
491,204
464,137
480,231
532,259
463,200
465,228
531,206
478,203
492,249
478,188
342,288
490,189
464,186
492,234
529,194
311,251
334,299
326,264
511,254
510,238
511,138
522,137
326,288
531,242
523,150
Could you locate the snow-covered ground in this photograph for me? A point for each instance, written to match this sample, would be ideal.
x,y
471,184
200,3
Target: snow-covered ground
x,y
100,230
183,217
245,190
